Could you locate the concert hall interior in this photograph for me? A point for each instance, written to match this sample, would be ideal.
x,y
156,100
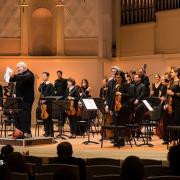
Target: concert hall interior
x,y
97,41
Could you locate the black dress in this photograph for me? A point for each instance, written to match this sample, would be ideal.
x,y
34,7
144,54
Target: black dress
x,y
156,89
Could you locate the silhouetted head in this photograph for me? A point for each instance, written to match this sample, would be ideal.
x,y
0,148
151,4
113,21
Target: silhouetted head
x,y
132,169
64,149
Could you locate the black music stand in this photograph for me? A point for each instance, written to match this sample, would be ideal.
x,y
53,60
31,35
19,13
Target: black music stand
x,y
63,105
90,106
148,103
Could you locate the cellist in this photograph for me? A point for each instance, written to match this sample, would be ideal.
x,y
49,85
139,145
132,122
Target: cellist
x,y
72,94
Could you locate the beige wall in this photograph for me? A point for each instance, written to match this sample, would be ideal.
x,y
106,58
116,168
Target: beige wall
x,y
161,37
168,32
9,46
137,39
77,67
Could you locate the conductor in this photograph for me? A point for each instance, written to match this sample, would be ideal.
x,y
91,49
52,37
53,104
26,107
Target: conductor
x,y
25,89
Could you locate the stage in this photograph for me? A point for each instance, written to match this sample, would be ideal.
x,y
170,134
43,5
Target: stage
x,y
158,151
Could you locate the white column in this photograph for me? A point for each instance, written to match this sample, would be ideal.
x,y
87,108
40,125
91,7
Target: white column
x,y
60,28
24,12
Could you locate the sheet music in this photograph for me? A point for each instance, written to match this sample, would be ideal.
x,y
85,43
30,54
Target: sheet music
x,y
90,104
7,74
147,105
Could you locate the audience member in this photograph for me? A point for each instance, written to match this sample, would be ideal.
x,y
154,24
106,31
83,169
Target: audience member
x,y
16,163
5,151
65,152
174,160
132,169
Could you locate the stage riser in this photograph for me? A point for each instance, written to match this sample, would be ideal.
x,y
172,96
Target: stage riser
x,y
26,142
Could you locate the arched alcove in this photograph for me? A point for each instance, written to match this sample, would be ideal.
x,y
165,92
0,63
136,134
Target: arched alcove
x,y
42,32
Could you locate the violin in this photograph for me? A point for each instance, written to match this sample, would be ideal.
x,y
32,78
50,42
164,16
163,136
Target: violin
x,y
118,103
44,113
72,110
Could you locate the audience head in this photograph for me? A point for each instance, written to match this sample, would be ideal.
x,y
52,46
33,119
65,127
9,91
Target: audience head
x,y
64,150
16,162
132,169
174,159
21,67
5,151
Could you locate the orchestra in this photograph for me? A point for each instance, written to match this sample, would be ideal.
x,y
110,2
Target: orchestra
x,y
122,93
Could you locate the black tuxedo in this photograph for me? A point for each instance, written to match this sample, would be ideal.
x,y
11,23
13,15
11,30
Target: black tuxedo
x,y
60,86
24,89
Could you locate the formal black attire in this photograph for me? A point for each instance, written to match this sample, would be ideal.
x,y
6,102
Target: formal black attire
x,y
165,116
47,90
111,94
1,96
103,92
24,89
138,91
74,161
60,87
74,92
145,81
175,87
156,90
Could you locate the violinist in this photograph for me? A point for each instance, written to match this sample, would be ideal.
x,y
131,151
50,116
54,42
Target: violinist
x,y
104,89
156,86
46,89
85,89
174,93
165,115
72,94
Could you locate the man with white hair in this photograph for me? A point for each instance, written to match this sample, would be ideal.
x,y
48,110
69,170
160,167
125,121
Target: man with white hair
x,y
25,89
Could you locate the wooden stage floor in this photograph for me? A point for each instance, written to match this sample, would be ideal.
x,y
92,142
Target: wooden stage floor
x,y
158,151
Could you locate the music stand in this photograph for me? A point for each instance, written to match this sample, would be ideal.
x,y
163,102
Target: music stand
x,y
63,105
146,125
90,106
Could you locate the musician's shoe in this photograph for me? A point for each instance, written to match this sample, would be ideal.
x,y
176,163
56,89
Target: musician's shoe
x,y
45,135
51,135
27,135
73,136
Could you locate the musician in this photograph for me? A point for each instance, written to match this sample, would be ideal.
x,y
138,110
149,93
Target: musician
x,y
72,94
145,81
46,89
156,86
85,89
9,90
1,97
25,89
165,115
104,89
174,93
137,92
60,84
111,90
